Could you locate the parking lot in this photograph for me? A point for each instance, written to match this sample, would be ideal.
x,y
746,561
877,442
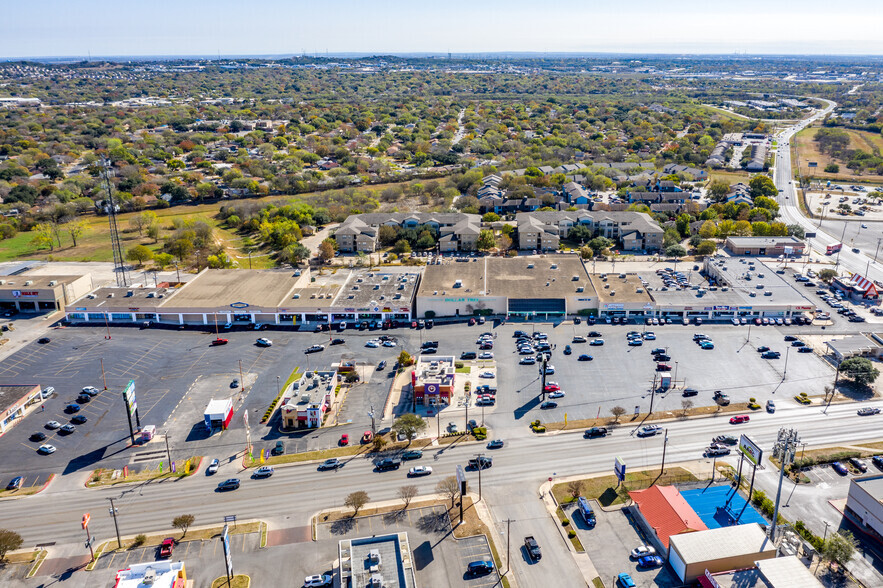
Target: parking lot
x,y
609,544
439,558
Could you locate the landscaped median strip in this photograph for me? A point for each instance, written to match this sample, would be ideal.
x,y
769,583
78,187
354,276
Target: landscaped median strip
x,y
23,556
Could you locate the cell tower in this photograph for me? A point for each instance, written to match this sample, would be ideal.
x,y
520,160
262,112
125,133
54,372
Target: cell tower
x,y
118,264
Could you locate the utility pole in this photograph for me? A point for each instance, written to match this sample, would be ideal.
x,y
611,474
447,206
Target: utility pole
x,y
113,512
241,379
833,390
664,445
103,376
784,450
508,537
168,453
479,457
652,393
371,414
785,370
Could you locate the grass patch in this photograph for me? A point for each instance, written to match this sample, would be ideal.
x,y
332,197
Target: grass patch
x,y
464,369
21,558
295,375
192,535
37,563
632,420
806,150
354,450
21,492
604,488
573,540
104,476
731,177
239,581
597,583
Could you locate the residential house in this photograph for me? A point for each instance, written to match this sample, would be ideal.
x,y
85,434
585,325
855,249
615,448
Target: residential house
x,y
457,231
674,168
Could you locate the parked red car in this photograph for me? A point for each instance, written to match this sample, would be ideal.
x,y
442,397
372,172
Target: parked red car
x,y
344,439
742,418
166,547
367,437
220,341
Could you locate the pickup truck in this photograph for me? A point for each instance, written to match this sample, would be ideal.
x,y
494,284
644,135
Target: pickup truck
x,y
721,398
533,548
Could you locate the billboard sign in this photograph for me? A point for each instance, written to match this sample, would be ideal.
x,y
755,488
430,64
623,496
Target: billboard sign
x,y
619,469
129,398
750,449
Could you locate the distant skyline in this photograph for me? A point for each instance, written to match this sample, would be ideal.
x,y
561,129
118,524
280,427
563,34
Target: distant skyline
x,y
290,27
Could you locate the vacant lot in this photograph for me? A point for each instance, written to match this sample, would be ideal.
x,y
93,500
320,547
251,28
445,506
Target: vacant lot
x,y
807,150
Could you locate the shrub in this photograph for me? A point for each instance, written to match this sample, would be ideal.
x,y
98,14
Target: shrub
x,y
565,522
571,534
139,540
752,400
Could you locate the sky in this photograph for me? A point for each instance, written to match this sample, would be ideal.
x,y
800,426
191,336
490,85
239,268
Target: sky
x,y
55,28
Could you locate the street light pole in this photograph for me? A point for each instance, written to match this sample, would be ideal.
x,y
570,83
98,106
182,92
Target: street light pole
x,y
785,369
664,445
480,462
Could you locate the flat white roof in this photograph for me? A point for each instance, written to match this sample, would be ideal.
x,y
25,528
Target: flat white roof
x,y
166,575
786,572
725,542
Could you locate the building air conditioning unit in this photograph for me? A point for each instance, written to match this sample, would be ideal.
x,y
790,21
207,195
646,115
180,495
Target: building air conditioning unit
x,y
53,282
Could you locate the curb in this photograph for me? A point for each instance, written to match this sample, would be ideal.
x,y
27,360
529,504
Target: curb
x,y
22,496
193,470
37,563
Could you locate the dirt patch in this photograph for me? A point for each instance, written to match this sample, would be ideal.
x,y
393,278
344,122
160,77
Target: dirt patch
x,y
807,150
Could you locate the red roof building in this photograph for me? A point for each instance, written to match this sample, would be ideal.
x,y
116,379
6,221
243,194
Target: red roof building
x,y
666,512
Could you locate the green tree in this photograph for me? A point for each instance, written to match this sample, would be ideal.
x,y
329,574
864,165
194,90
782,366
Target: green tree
x,y
586,252
183,522
839,548
485,240
139,254
719,189
706,247
832,168
742,228
675,251
600,244
860,370
761,185
708,230
796,231
401,247
826,275
490,217
409,425
580,234
43,236
161,260
683,224
387,234
75,229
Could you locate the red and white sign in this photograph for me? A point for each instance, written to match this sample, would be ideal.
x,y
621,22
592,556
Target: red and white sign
x,y
86,518
20,293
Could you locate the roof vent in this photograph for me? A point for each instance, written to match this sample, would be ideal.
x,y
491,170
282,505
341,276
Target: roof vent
x,y
53,282
580,289
296,296
28,282
613,292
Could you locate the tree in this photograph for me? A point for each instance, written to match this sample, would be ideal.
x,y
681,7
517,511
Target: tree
x,y
586,252
617,412
407,494
504,242
449,487
575,488
839,548
826,275
742,228
139,254
761,185
718,189
405,359
327,248
10,541
379,442
161,260
153,232
490,217
183,522
43,236
708,230
409,425
706,247
686,404
860,370
401,247
485,240
796,231
75,229
22,193
675,251
832,168
142,220
600,244
387,234
683,224
580,234
356,500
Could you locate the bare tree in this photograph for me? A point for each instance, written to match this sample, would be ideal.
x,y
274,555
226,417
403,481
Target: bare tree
x,y
407,494
686,404
356,500
183,522
617,412
449,487
575,488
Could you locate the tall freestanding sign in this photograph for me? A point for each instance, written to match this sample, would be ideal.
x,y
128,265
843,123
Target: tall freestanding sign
x,y
131,407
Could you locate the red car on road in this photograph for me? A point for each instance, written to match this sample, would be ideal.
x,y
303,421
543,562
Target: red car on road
x,y
166,547
742,418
